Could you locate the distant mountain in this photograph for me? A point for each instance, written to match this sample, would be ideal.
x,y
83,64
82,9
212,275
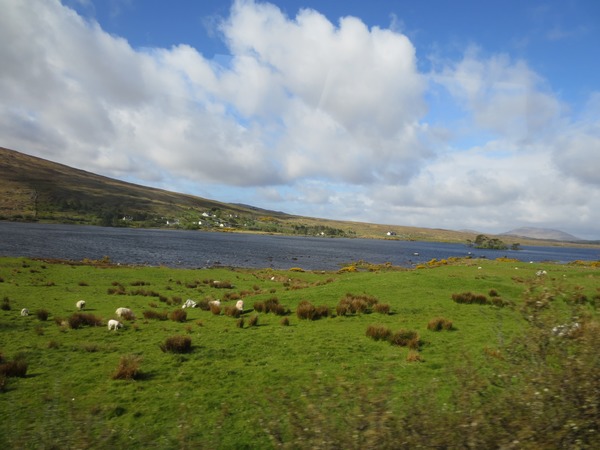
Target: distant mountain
x,y
541,233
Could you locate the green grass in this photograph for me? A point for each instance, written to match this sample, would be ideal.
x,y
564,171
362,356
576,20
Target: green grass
x,y
315,383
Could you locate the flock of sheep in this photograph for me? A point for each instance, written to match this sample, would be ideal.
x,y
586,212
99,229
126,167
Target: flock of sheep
x,y
128,313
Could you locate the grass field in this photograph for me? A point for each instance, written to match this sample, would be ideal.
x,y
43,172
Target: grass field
x,y
490,375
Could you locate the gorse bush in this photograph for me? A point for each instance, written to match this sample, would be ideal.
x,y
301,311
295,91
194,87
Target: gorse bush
x,y
177,344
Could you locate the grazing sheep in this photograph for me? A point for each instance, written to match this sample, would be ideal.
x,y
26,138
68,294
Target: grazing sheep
x,y
214,303
540,273
125,313
240,305
189,303
24,312
114,325
80,305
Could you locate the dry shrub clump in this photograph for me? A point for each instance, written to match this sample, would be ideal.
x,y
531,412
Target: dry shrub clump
x,y
307,311
231,311
381,308
379,332
42,314
253,321
405,338
356,304
177,344
79,320
413,356
158,315
16,368
178,315
470,298
128,368
439,324
215,309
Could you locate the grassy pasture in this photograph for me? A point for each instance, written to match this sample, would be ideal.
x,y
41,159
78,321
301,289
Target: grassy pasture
x,y
304,384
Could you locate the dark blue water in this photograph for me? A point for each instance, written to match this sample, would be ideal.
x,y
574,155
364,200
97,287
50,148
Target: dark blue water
x,y
195,249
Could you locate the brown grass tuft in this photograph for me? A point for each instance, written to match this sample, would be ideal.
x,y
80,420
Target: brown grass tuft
x,y
177,344
128,368
439,324
178,315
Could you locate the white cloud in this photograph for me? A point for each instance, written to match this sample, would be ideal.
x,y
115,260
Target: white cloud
x,y
306,116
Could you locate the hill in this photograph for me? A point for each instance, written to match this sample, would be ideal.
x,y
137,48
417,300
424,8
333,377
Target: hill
x,y
35,189
541,233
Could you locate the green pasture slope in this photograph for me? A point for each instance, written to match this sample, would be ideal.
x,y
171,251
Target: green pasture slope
x,y
498,378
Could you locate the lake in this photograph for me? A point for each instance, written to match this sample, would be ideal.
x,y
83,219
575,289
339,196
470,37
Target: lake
x,y
198,249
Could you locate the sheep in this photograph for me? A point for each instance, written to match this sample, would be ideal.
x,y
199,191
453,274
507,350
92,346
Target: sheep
x,y
540,273
240,305
80,305
189,303
214,303
114,325
24,312
125,313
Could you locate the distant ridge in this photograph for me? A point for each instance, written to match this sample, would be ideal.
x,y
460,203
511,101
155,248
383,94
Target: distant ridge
x,y
541,233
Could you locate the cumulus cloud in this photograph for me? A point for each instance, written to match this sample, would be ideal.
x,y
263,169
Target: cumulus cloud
x,y
305,115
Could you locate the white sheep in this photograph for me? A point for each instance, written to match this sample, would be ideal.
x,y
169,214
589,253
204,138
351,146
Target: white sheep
x,y
540,273
24,312
114,325
124,313
189,303
240,305
80,305
214,303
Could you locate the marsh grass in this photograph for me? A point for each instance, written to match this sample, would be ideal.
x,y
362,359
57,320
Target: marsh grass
x,y
155,315
439,324
178,315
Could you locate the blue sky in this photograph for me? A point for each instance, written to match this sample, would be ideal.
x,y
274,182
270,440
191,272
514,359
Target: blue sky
x,y
459,115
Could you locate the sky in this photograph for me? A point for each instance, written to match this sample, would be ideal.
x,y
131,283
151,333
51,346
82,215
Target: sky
x,y
478,115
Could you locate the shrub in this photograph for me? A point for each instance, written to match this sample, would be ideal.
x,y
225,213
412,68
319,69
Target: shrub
x,y
253,321
439,324
405,338
231,311
381,308
240,323
128,368
16,368
78,320
42,314
306,310
469,298
379,332
177,344
159,315
259,306
413,356
285,322
215,309
178,315
5,304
